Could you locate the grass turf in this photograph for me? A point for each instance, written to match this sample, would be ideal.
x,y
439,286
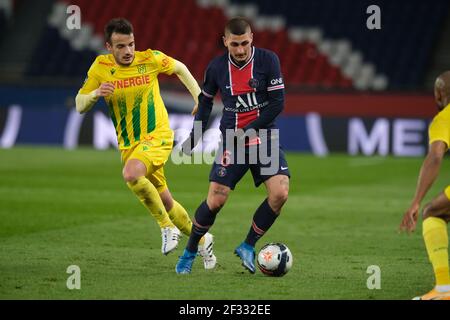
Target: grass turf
x,y
60,208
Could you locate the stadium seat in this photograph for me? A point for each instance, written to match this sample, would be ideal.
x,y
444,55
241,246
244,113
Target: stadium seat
x,y
316,46
391,50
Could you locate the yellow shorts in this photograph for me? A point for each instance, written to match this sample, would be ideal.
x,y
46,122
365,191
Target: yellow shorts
x,y
154,153
447,192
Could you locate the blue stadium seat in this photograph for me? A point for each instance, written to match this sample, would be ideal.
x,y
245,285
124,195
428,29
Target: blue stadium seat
x,y
400,50
60,58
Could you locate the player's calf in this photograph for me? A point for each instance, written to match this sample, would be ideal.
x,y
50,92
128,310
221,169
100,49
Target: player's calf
x,y
217,196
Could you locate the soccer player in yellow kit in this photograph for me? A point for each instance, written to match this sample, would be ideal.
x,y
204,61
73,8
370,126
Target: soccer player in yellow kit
x,y
127,80
435,214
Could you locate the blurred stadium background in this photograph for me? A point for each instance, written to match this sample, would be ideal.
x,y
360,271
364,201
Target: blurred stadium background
x,y
349,91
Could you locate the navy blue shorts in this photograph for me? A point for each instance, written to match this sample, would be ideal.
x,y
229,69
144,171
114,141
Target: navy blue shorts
x,y
229,173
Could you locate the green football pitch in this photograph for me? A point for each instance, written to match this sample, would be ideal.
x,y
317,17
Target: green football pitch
x,y
60,208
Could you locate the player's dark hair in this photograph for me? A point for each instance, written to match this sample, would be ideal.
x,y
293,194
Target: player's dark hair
x,y
117,25
237,26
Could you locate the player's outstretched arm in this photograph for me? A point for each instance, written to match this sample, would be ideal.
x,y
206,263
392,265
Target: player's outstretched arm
x,y
428,174
203,112
84,102
201,119
189,82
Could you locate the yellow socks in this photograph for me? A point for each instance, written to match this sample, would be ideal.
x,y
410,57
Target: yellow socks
x,y
436,241
181,220
149,196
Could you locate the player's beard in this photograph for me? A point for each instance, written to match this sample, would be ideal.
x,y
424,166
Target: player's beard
x,y
126,62
240,61
241,58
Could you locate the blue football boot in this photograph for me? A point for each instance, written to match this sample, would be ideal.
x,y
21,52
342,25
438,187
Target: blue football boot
x,y
247,254
185,262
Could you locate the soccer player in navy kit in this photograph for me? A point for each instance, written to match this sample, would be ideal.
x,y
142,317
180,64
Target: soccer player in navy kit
x,y
252,91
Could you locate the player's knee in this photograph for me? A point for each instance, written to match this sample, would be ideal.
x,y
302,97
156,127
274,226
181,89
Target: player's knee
x,y
279,197
217,196
133,170
130,176
284,196
277,200
216,203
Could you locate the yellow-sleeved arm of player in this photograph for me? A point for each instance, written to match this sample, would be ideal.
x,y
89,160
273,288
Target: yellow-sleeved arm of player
x,y
439,129
84,102
86,97
165,63
92,81
187,79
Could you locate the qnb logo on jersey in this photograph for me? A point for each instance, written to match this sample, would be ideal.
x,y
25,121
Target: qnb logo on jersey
x,y
275,82
251,101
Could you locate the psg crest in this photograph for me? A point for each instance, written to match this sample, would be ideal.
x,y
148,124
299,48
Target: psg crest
x,y
253,83
221,172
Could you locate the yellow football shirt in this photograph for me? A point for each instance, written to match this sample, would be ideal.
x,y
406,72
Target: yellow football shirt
x,y
136,107
439,129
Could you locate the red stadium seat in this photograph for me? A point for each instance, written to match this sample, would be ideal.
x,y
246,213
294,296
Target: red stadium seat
x,y
192,34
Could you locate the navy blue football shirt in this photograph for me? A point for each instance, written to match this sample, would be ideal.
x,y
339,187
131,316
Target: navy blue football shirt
x,y
252,93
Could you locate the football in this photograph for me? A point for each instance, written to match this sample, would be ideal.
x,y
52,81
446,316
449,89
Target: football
x,y
274,259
